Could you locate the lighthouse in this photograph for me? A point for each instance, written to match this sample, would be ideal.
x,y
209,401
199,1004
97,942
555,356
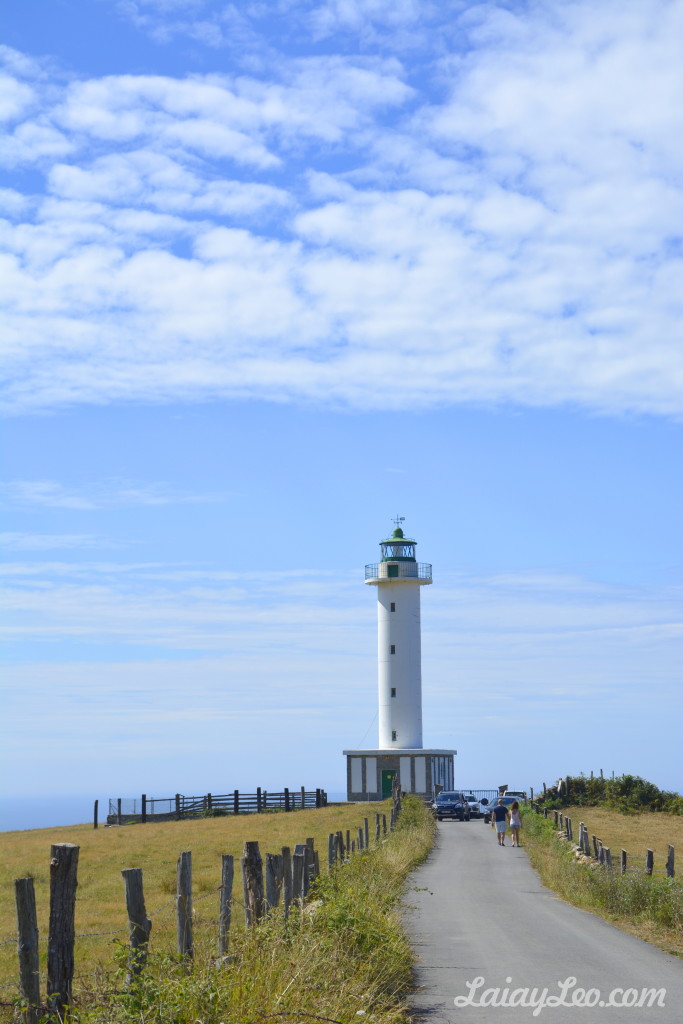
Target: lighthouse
x,y
398,577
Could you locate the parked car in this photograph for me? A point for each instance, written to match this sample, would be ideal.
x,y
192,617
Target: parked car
x,y
516,794
451,804
474,804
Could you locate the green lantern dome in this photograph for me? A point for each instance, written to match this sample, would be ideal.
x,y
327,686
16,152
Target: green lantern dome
x,y
398,548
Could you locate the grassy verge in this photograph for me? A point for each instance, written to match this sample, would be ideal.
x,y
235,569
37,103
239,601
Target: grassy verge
x,y
651,908
154,847
344,957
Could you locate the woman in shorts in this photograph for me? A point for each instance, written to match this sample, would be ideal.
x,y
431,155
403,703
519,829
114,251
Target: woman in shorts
x,y
515,823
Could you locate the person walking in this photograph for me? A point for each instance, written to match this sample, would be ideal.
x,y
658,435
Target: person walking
x,y
515,823
499,818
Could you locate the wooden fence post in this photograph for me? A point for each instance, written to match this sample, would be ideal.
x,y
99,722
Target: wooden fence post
x,y
303,850
273,879
318,798
118,811
286,878
236,801
303,797
27,945
184,904
607,857
259,805
225,903
94,814
139,925
396,796
623,862
384,824
670,871
377,828
353,846
143,815
348,840
287,806
361,840
252,882
265,799
366,833
177,806
596,847
60,943
341,850
649,862
331,851
209,802
298,871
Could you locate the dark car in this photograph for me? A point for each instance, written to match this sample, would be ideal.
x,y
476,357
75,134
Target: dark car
x,y
507,802
451,804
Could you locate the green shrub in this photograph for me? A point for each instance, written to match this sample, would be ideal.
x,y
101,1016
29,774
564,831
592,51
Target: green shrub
x,y
628,794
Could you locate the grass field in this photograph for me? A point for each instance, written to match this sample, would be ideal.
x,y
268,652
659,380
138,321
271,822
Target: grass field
x,y
104,852
634,833
651,908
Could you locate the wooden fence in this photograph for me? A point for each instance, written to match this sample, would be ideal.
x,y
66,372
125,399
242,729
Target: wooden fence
x,y
288,878
127,811
594,848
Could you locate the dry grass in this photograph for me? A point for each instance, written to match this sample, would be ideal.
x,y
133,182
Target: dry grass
x,y
104,852
650,908
634,833
343,956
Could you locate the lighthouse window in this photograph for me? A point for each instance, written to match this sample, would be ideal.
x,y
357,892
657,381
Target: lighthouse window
x,y
393,691
393,734
392,649
393,606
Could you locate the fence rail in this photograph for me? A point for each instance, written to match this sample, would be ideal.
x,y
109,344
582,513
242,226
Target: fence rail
x,y
125,810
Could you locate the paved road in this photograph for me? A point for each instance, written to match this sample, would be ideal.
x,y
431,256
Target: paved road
x,y
479,911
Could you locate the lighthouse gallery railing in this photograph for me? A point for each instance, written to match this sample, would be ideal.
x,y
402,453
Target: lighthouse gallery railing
x,y
398,571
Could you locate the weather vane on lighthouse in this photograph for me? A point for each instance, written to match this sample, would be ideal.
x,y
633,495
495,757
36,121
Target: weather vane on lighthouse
x,y
398,577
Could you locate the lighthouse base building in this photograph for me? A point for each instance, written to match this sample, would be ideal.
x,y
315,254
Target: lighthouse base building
x,y
398,577
370,773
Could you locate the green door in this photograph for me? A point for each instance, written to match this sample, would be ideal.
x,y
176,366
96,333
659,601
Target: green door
x,y
387,783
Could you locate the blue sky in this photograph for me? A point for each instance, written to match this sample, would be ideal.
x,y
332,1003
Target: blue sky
x,y
273,273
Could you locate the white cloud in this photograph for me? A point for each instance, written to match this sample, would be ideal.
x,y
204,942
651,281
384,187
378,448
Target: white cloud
x,y
15,97
15,541
513,240
92,496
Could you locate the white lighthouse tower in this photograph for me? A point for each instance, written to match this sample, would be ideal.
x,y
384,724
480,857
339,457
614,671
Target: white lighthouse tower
x,y
398,577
